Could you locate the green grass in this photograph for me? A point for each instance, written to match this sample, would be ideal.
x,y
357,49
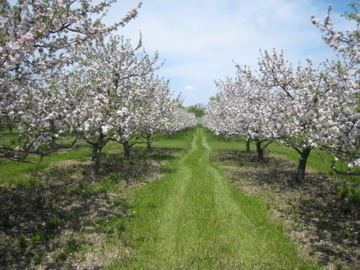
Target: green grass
x,y
193,218
179,140
14,172
318,160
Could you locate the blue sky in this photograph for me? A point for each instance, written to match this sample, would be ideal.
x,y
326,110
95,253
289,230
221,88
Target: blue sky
x,y
200,40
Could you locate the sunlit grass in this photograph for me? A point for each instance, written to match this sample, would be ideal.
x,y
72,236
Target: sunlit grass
x,y
193,218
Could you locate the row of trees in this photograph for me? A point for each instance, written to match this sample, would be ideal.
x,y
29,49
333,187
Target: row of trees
x,y
65,76
303,106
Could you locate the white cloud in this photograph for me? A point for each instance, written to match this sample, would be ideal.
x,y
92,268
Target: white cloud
x,y
200,40
190,88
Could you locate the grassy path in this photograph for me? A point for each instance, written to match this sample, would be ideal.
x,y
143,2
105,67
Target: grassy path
x,y
194,219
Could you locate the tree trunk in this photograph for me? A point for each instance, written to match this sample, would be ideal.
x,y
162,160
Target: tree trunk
x,y
96,154
247,146
126,146
148,142
259,150
300,176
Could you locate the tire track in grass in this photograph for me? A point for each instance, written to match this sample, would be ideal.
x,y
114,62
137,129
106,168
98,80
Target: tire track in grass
x,y
197,220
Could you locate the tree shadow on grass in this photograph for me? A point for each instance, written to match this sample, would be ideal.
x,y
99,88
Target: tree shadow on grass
x,y
42,225
240,158
34,217
141,166
318,217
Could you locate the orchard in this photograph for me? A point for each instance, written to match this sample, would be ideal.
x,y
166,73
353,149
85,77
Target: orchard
x,y
105,164
304,107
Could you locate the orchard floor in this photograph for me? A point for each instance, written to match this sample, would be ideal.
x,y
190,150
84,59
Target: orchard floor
x,y
172,208
194,219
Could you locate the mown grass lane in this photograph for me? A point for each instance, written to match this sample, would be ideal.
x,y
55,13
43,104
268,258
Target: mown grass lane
x,y
193,218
